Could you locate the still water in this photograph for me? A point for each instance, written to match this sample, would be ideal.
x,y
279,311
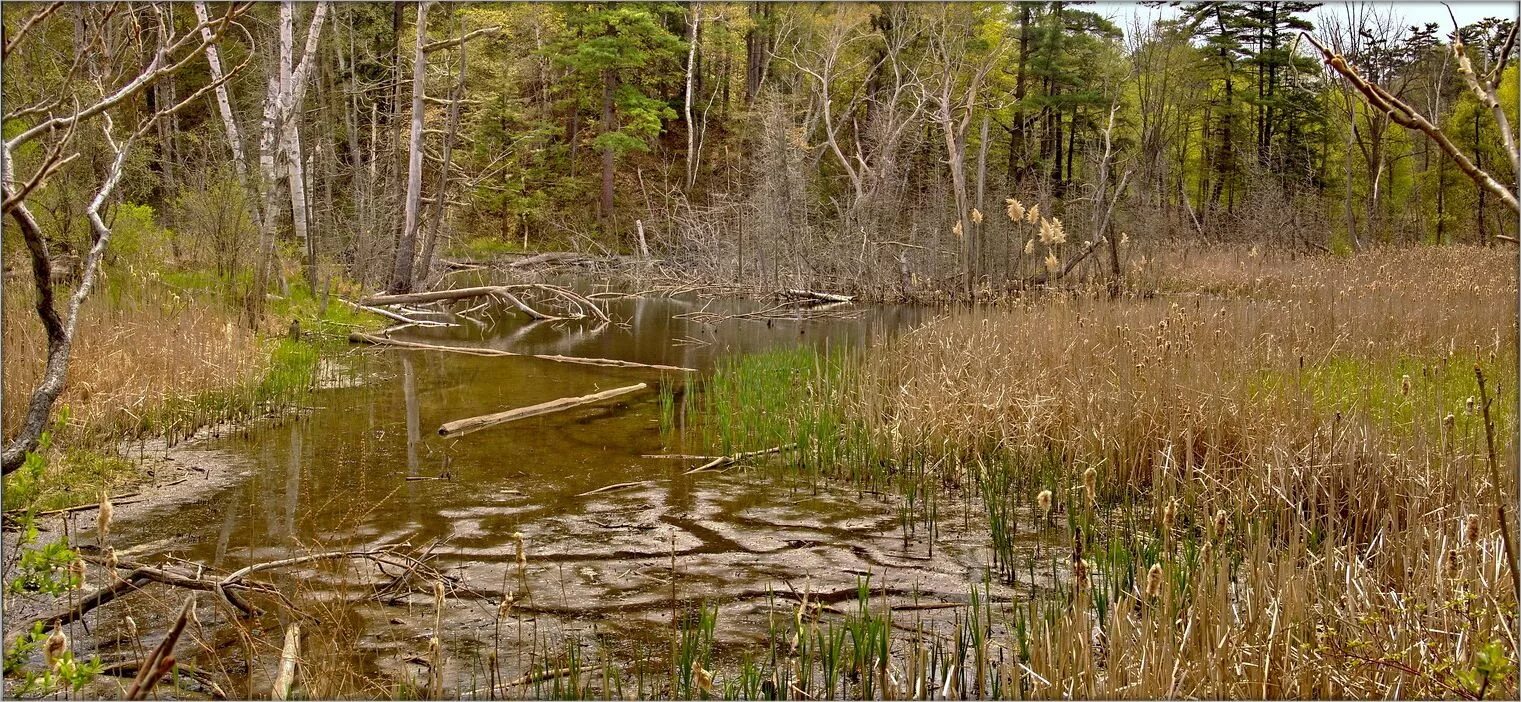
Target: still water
x,y
336,477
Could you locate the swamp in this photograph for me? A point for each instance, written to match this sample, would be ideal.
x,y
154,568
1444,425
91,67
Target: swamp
x,y
759,350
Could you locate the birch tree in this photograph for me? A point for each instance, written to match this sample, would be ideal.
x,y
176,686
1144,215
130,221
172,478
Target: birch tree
x,y
57,137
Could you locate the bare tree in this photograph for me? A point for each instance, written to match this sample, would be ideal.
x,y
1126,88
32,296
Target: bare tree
x,y
57,134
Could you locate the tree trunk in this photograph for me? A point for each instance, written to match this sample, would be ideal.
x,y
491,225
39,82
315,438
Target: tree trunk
x,y
441,196
605,205
401,272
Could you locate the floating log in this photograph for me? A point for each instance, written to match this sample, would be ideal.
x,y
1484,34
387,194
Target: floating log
x,y
465,426
361,337
722,461
819,296
549,257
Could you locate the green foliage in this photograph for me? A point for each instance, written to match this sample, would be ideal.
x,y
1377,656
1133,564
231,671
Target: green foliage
x,y
47,569
1491,667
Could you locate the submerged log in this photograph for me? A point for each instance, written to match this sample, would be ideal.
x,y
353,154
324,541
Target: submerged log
x,y
286,679
465,426
818,296
361,337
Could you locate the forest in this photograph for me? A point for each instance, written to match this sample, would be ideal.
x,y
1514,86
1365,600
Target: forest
x,y
758,350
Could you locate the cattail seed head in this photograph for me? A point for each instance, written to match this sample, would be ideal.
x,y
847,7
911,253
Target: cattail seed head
x,y
110,563
1090,485
1154,581
1468,404
438,593
54,648
1449,420
1080,570
1032,215
1043,500
1405,386
1452,563
504,609
1015,209
1218,526
1124,238
1471,529
517,537
1052,264
976,216
957,230
103,519
1169,515
1029,246
76,574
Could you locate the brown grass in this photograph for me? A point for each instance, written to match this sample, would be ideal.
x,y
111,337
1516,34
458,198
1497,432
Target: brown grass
x,y
1277,391
133,351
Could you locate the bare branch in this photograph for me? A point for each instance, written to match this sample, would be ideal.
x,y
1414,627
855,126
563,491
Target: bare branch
x,y
456,41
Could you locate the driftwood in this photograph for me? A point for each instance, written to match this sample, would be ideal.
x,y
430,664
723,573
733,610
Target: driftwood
x,y
465,426
818,296
615,487
286,678
722,461
360,337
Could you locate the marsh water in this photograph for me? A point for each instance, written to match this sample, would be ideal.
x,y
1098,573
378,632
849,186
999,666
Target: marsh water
x,y
335,476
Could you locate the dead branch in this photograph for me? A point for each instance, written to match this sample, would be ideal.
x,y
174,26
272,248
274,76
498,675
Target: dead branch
x,y
722,461
615,487
396,317
1406,116
817,296
360,337
465,426
456,41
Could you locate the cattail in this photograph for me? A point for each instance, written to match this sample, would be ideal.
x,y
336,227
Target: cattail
x,y
1206,551
1015,209
1219,524
703,678
1080,570
1452,562
976,216
103,520
517,536
957,230
1449,420
53,650
1169,515
1058,232
1471,529
1405,385
1032,215
1154,581
1469,404
1051,263
504,609
438,593
1043,500
76,574
1090,485
1124,238
110,563
1030,246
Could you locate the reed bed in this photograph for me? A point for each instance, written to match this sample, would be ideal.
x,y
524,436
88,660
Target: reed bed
x,y
1273,480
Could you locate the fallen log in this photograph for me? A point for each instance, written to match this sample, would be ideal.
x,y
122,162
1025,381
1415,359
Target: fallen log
x,y
497,292
361,337
394,316
818,296
722,461
549,257
465,426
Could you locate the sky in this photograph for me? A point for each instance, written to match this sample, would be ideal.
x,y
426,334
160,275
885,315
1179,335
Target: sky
x,y
1417,13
